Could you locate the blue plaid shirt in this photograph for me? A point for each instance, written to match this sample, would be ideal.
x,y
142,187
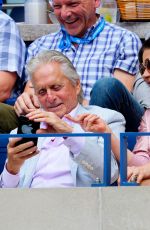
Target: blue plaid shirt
x,y
114,48
12,49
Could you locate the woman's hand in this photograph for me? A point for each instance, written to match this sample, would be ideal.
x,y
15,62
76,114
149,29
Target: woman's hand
x,y
139,173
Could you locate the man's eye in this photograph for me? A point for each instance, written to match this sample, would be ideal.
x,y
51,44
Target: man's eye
x,y
56,7
74,4
42,92
57,87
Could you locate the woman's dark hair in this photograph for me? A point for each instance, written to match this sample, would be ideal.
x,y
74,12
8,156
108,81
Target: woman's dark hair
x,y
146,45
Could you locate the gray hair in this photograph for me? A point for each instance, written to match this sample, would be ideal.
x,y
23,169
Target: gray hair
x,y
66,66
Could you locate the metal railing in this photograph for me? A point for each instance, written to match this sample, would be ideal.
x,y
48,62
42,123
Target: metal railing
x,y
124,139
12,5
107,149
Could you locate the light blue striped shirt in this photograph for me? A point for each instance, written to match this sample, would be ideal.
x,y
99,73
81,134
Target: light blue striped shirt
x,y
12,49
114,48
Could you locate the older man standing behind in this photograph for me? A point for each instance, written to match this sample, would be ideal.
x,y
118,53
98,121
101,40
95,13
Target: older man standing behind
x,y
60,162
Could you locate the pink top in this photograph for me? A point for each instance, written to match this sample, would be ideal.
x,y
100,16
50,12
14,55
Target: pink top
x,y
142,148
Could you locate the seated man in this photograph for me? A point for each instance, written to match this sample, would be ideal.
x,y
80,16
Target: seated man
x,y
59,162
12,58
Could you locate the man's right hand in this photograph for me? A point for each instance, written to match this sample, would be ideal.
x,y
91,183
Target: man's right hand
x,y
27,101
17,154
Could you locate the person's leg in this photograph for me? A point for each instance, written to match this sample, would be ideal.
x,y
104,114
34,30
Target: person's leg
x,y
111,93
8,118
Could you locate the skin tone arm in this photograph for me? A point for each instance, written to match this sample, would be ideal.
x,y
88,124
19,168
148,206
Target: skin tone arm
x,y
7,82
27,101
93,123
126,78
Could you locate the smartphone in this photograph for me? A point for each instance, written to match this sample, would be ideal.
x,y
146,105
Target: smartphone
x,y
27,126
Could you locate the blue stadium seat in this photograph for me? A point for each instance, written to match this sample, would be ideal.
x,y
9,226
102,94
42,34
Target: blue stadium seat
x,y
131,142
1,2
3,152
10,101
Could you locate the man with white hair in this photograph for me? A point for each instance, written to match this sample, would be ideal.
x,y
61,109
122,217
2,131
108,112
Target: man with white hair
x,y
62,161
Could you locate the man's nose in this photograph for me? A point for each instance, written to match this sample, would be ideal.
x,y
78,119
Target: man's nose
x,y
51,96
65,13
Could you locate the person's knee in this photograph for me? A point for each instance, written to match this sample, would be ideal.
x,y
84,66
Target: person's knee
x,y
106,84
8,118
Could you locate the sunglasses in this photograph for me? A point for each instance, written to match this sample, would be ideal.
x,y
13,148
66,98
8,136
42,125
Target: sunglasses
x,y
143,67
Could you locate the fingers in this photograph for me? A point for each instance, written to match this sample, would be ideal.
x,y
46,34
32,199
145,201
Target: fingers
x,y
35,101
23,104
27,153
81,118
77,119
23,151
37,114
13,141
89,121
135,174
18,148
43,116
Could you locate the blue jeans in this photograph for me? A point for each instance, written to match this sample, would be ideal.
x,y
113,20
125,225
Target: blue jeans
x,y
111,93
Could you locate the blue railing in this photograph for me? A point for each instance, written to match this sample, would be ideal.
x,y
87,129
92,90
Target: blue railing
x,y
107,149
124,140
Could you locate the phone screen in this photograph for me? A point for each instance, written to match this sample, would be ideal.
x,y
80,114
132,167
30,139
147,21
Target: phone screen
x,y
27,126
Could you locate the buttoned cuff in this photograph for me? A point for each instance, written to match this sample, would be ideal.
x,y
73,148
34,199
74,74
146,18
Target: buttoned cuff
x,y
9,180
75,144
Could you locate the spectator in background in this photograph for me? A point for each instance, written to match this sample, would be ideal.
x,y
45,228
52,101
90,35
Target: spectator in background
x,y
101,52
142,148
60,162
12,59
141,89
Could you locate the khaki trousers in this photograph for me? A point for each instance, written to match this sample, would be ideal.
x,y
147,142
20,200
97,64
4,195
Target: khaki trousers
x,y
8,118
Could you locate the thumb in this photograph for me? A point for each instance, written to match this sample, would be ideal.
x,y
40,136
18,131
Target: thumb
x,y
35,101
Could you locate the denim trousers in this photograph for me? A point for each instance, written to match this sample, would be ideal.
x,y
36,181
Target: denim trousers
x,y
112,94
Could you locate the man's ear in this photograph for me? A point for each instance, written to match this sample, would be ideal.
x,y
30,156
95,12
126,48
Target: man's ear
x,y
97,3
78,87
